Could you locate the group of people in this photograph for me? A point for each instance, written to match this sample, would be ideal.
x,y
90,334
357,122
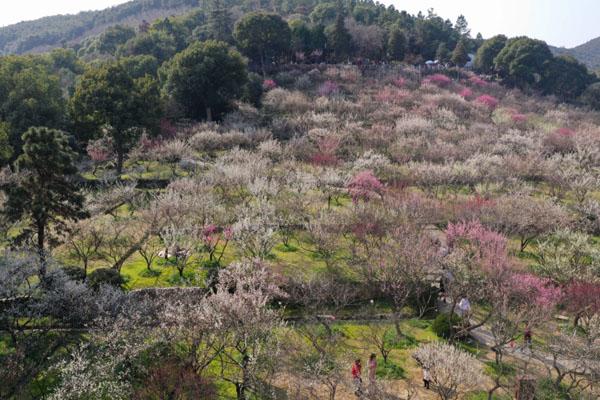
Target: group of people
x,y
357,375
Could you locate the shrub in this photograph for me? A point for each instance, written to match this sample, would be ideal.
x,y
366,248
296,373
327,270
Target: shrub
x,y
285,78
304,82
466,93
105,276
439,80
443,324
253,89
560,141
391,95
477,81
285,101
74,273
269,84
489,101
400,82
328,88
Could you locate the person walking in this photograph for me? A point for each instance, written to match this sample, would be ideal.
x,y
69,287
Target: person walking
x,y
372,368
356,377
527,336
426,378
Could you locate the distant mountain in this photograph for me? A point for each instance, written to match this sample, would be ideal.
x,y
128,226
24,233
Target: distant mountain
x,y
50,32
588,53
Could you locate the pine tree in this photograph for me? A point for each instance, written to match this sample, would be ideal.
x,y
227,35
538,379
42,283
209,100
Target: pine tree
x,y
341,41
43,192
397,45
442,54
460,55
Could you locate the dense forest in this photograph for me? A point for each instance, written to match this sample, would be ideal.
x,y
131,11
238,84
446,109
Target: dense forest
x,y
244,200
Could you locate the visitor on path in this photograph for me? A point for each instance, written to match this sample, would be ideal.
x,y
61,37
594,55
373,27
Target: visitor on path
x,y
464,307
426,378
356,378
527,336
372,368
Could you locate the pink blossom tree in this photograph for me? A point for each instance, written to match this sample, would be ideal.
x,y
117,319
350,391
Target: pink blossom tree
x,y
488,101
439,80
582,299
365,186
100,151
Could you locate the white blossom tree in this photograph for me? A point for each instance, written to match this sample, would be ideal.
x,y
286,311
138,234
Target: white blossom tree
x,y
453,371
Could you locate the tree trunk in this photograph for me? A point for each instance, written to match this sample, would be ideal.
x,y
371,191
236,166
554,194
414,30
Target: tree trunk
x,y
397,318
119,264
120,157
209,116
41,233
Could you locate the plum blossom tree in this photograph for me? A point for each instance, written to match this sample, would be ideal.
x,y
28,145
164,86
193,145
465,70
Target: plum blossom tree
x,y
240,310
476,266
582,299
100,151
365,186
566,255
85,240
574,354
181,244
401,267
453,371
255,232
526,217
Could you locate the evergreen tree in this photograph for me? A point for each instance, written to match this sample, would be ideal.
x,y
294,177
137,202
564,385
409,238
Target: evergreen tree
x,y
43,192
397,45
340,39
442,54
487,52
263,37
108,99
522,61
462,26
6,150
460,55
205,77
220,22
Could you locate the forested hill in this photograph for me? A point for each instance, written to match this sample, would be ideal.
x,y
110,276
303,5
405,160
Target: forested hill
x,y
50,32
587,53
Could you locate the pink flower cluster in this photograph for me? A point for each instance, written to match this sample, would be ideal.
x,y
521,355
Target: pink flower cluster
x,y
269,84
490,247
100,150
540,291
583,297
400,82
365,186
328,88
326,155
439,80
390,95
466,93
518,117
489,101
477,81
566,132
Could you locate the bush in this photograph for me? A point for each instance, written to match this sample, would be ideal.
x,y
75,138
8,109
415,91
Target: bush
x,y
253,90
390,371
443,323
74,273
105,276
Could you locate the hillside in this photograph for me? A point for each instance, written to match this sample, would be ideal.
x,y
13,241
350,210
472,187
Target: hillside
x,y
588,53
50,32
